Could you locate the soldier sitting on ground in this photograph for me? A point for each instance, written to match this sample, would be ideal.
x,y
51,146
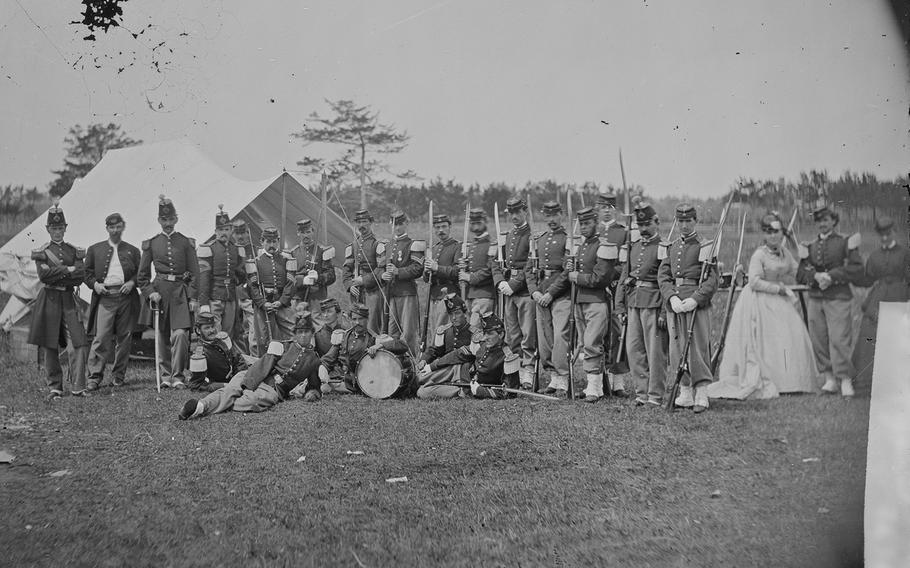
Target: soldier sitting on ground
x,y
217,359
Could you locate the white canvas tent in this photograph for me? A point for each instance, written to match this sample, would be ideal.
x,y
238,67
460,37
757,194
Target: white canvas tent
x,y
130,180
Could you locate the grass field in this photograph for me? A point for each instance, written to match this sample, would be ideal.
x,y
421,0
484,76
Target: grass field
x,y
489,483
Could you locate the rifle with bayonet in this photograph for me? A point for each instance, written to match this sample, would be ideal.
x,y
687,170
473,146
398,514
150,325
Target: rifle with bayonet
x,y
500,261
428,276
534,262
683,366
505,389
463,262
252,269
737,268
621,348
573,295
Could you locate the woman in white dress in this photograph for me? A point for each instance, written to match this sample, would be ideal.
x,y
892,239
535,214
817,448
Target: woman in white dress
x,y
768,350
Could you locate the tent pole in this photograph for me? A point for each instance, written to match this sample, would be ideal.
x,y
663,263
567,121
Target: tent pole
x,y
323,190
284,209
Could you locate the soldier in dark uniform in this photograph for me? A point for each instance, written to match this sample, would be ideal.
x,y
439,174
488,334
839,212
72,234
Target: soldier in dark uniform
x,y
476,270
244,333
111,269
549,288
361,271
639,304
350,346
888,273
269,380
828,265
403,267
217,359
221,274
453,335
56,318
484,364
591,274
520,309
613,234
174,290
330,320
315,272
442,268
271,284
678,277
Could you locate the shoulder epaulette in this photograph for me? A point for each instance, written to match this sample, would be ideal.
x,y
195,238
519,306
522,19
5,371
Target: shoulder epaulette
x,y
38,253
635,235
662,248
241,251
853,241
204,251
491,250
608,252
349,251
381,245
705,250
802,250
286,254
209,242
328,253
418,246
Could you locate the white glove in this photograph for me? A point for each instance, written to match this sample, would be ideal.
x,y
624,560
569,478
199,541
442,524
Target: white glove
x,y
323,374
676,304
475,347
688,305
505,289
205,309
310,278
337,336
424,372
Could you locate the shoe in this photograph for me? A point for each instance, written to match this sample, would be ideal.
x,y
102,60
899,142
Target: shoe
x,y
118,382
189,408
92,386
527,386
591,398
685,400
640,401
655,402
312,396
701,399
177,385
831,386
83,393
54,395
166,384
619,393
547,390
560,393
846,388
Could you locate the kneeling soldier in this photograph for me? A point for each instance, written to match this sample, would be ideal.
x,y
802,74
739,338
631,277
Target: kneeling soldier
x,y
269,380
217,359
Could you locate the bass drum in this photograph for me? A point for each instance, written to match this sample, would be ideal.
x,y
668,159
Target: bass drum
x,y
385,375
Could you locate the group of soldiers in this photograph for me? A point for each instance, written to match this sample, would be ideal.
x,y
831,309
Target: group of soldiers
x,y
505,314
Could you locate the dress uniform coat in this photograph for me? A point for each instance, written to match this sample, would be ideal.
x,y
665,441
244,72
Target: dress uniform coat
x,y
223,360
486,367
221,274
447,254
520,310
176,278
318,258
613,234
276,284
56,317
112,317
360,259
592,311
549,277
481,292
638,296
404,309
678,275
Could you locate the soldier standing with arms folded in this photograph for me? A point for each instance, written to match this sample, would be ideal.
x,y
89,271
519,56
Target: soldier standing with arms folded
x,y
639,302
173,291
221,274
271,284
56,319
476,270
360,273
111,269
549,288
678,276
828,264
591,274
442,268
520,310
403,267
315,272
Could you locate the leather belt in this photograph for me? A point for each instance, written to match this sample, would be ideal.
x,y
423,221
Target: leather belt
x,y
645,284
547,272
686,282
59,288
170,277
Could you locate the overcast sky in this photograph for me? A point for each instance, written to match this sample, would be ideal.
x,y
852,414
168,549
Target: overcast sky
x,y
696,93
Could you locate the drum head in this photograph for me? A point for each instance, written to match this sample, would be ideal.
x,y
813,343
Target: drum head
x,y
379,376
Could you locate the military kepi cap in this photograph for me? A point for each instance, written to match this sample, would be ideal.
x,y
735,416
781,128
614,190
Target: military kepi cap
x,y
363,215
685,212
398,217
551,208
205,318
884,224
454,302
443,218
239,226
328,303
360,310
586,214
514,204
822,209
55,217
166,207
304,322
113,219
270,233
222,219
606,198
477,215
771,223
304,224
491,322
644,213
